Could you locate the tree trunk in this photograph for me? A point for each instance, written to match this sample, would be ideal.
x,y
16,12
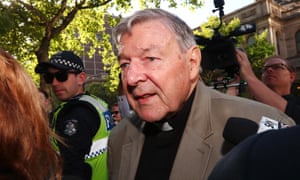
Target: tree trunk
x,y
42,56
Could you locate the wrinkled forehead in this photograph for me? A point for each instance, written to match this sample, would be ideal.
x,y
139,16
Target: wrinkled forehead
x,y
275,61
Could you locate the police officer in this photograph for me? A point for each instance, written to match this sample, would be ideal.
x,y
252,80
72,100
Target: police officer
x,y
82,120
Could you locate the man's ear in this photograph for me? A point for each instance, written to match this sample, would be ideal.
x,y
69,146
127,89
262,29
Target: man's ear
x,y
81,78
293,76
194,58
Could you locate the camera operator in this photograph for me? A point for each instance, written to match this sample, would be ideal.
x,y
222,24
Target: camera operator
x,y
275,87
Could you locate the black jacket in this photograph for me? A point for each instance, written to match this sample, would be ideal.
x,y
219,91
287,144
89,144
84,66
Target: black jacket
x,y
293,107
272,155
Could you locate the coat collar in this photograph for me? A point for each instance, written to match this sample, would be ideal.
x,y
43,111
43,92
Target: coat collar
x,y
193,143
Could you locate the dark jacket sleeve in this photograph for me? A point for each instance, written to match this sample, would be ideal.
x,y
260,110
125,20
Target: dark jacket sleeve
x,y
77,125
293,107
273,154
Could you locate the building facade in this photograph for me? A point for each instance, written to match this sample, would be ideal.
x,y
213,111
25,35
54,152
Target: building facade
x,y
94,66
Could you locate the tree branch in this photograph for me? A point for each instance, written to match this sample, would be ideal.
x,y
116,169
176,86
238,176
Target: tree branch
x,y
96,5
35,11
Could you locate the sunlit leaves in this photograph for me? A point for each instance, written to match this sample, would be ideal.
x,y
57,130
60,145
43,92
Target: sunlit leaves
x,y
259,50
32,30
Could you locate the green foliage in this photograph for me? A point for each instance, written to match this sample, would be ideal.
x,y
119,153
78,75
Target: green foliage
x,y
207,28
33,30
99,90
23,35
259,50
5,18
29,67
190,4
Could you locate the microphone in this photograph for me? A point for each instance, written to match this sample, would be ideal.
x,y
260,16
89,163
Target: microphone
x,y
124,107
269,124
201,40
243,29
237,129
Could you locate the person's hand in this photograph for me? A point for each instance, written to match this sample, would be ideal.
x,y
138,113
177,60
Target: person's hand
x,y
233,91
246,71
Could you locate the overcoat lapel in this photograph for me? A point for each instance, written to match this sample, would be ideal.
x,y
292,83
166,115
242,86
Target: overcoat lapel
x,y
191,152
194,147
130,156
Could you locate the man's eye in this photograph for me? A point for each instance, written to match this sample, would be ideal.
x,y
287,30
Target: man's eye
x,y
151,58
124,65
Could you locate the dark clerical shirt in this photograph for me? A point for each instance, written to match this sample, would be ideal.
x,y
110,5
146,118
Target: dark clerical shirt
x,y
161,143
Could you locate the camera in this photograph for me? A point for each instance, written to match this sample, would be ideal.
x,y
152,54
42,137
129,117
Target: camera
x,y
219,50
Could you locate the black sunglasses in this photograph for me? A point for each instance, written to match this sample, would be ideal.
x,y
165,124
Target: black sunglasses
x,y
60,76
114,112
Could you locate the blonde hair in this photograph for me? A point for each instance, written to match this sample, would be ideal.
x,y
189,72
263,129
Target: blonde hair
x,y
26,151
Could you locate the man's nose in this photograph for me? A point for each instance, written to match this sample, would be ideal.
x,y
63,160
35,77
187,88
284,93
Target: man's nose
x,y
135,73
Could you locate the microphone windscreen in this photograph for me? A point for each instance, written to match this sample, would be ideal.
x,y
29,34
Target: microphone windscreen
x,y
237,129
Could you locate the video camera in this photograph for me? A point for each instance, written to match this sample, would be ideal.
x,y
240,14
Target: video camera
x,y
219,50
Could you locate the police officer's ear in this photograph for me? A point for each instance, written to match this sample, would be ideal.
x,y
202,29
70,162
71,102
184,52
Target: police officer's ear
x,y
81,77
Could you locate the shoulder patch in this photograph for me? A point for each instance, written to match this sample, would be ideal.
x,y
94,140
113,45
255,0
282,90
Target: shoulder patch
x,y
70,127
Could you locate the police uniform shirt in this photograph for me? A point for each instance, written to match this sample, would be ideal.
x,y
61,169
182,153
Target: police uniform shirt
x,y
77,123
